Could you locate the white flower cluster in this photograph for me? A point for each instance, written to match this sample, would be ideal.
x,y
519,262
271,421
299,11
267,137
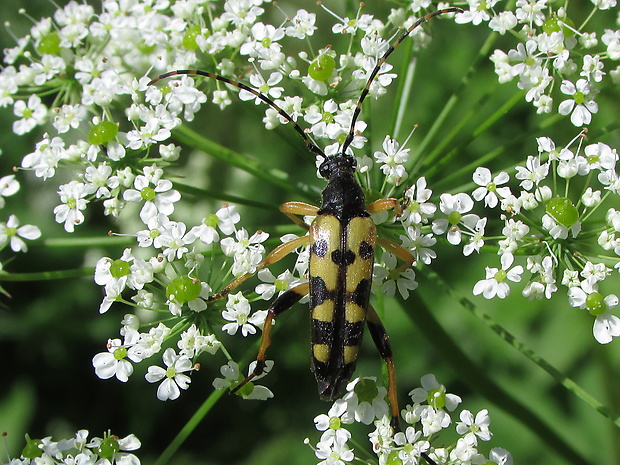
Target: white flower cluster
x,y
553,53
430,411
108,450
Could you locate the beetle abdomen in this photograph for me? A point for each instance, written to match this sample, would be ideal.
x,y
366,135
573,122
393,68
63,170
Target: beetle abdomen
x,y
341,261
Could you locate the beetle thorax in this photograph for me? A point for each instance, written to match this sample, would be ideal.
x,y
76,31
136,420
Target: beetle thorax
x,y
342,197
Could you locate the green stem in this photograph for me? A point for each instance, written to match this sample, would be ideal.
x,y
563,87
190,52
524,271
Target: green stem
x,y
218,195
188,136
403,93
189,427
453,100
97,241
47,275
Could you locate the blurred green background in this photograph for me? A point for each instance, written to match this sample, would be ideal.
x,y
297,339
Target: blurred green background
x,y
50,330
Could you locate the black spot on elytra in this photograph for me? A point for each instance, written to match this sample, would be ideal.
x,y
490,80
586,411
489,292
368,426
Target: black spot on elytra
x,y
353,333
319,248
361,295
318,291
366,250
345,258
322,332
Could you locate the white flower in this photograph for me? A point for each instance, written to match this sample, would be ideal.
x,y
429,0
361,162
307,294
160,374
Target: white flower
x,y
333,454
224,219
113,362
73,202
410,447
32,114
12,233
158,199
533,173
303,25
360,406
174,377
392,159
174,239
476,241
120,457
417,208
582,103
232,377
434,394
8,186
331,424
404,281
192,343
238,312
489,189
586,296
454,207
478,426
284,281
264,87
495,283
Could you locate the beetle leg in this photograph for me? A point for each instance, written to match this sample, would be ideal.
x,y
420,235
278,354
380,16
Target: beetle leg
x,y
382,205
292,209
276,254
382,342
279,305
399,251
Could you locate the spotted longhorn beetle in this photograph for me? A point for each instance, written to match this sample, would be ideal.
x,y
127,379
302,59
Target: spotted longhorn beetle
x,y
342,240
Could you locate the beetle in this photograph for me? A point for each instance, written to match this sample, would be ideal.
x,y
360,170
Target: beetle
x,y
342,239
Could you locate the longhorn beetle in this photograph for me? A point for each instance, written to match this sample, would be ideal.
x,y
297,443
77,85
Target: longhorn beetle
x,y
342,240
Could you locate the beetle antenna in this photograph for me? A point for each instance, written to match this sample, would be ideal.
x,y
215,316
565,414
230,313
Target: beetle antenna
x,y
382,60
312,147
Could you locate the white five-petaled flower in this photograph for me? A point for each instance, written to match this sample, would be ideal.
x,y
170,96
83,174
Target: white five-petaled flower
x,y
533,172
113,362
11,232
392,159
586,296
73,202
333,454
238,311
410,445
264,87
495,283
477,427
158,199
393,278
418,209
331,424
32,114
361,408
120,457
455,207
489,190
224,219
174,377
581,105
